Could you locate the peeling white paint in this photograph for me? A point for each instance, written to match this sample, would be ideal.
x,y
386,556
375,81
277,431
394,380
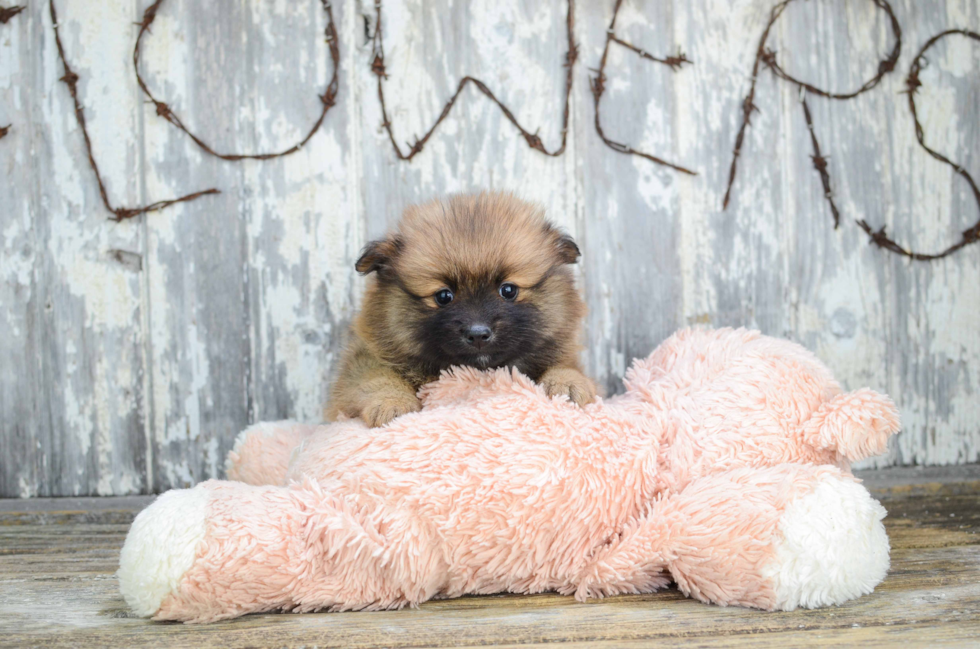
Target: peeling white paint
x,y
237,306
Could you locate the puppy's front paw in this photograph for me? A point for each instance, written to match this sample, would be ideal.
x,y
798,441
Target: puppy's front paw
x,y
571,383
383,409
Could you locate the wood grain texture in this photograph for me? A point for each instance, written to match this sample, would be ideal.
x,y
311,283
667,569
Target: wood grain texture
x,y
70,325
57,588
132,353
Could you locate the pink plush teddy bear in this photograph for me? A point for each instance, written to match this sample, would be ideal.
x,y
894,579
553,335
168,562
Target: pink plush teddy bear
x,y
723,468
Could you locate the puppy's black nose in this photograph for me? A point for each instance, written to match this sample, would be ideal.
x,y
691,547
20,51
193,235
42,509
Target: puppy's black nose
x,y
477,335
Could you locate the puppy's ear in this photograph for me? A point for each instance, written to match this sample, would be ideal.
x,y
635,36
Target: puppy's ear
x,y
568,252
378,255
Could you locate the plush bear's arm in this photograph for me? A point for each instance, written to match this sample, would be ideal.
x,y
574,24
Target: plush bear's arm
x,y
855,424
774,538
262,452
460,386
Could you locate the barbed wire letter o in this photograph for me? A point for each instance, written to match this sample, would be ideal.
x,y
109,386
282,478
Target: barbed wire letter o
x,y
328,99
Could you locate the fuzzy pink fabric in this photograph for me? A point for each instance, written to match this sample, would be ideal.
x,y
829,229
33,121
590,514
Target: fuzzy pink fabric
x,y
262,455
493,487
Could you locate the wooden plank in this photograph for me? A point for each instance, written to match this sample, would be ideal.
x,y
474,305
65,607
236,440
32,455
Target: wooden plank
x,y
628,205
131,354
891,635
303,219
21,423
919,480
197,60
57,587
34,612
248,329
75,310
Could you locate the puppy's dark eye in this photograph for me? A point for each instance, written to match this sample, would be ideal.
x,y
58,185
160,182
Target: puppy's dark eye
x,y
444,297
508,291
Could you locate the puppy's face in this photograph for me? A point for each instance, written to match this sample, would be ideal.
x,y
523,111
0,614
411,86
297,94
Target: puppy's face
x,y
473,280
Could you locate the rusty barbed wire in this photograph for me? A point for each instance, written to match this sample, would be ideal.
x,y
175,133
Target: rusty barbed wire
x,y
885,66
912,85
6,13
598,84
820,164
71,80
764,56
328,99
767,57
748,104
532,139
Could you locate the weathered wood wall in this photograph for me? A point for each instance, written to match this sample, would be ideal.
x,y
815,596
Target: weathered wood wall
x,y
132,353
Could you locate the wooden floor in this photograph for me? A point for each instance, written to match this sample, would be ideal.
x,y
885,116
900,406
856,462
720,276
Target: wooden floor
x,y
57,588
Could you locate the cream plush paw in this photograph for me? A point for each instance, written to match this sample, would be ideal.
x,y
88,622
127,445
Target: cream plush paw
x,y
160,548
832,546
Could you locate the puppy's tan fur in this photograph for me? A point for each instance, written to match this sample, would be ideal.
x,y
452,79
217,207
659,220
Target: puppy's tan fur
x,y
471,244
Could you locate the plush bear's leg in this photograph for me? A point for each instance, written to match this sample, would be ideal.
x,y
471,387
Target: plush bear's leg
x,y
160,548
224,549
262,452
772,538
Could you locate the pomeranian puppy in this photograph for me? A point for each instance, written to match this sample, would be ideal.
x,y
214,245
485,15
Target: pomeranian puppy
x,y
474,280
